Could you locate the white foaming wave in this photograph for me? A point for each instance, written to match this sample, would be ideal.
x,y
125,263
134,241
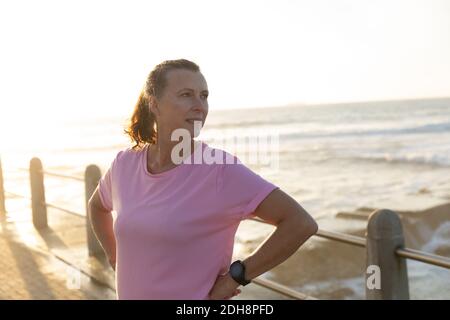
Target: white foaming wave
x,y
365,129
355,288
440,240
440,158
427,281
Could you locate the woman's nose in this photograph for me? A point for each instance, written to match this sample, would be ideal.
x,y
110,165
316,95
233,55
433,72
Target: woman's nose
x,y
200,104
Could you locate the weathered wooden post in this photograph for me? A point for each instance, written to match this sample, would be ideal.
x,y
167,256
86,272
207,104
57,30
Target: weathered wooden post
x,y
38,205
2,192
92,176
384,237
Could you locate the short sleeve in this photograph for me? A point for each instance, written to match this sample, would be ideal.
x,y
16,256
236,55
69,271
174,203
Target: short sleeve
x,y
105,186
242,189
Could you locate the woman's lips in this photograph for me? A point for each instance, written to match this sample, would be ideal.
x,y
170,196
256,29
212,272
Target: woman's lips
x,y
191,121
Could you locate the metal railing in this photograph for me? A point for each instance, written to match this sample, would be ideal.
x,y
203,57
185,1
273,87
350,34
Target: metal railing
x,y
412,254
384,242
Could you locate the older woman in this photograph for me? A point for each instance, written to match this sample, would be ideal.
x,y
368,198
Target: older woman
x,y
168,226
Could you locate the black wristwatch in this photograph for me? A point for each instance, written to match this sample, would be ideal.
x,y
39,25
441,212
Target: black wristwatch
x,y
237,272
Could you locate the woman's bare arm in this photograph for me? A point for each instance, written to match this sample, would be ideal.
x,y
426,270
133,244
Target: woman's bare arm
x,y
102,224
293,227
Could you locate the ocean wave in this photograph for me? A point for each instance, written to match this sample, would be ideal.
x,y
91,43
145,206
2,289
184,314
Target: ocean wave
x,y
440,242
428,159
441,127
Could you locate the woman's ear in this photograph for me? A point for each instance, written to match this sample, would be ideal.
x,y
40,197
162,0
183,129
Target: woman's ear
x,y
153,107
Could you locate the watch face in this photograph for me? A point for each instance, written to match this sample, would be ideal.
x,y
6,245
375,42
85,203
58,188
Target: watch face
x,y
236,269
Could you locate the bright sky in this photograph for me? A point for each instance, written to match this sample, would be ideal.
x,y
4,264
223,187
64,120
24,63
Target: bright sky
x,y
73,58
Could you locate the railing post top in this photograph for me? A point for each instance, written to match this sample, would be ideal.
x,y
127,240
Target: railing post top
x,y
35,162
384,223
92,170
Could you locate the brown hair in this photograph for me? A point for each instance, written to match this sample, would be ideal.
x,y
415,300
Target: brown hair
x,y
142,125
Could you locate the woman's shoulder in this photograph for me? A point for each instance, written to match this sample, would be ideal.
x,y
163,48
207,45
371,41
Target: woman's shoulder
x,y
219,156
128,154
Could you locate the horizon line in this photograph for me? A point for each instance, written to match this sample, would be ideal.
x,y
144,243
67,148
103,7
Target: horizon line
x,y
306,104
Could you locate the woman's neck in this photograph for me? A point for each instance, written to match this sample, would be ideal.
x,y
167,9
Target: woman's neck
x,y
159,157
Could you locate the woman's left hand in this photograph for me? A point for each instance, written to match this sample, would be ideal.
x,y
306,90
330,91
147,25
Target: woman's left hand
x,y
224,288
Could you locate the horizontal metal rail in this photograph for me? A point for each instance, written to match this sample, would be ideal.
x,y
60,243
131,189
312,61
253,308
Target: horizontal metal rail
x,y
274,286
77,214
417,255
342,237
49,205
17,195
429,258
56,174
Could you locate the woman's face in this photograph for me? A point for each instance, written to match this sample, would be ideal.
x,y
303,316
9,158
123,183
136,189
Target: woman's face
x,y
184,100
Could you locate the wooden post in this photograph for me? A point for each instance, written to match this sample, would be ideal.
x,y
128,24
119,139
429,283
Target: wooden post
x,y
384,237
2,192
38,206
92,176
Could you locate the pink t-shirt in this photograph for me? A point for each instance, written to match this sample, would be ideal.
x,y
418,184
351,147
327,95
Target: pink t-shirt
x,y
175,230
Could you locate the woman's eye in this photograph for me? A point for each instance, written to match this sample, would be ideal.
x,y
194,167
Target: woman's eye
x,y
187,94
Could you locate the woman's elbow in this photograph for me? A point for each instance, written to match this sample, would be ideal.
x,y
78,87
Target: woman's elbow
x,y
308,225
313,226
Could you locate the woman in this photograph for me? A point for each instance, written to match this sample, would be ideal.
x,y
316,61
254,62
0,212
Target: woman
x,y
168,226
